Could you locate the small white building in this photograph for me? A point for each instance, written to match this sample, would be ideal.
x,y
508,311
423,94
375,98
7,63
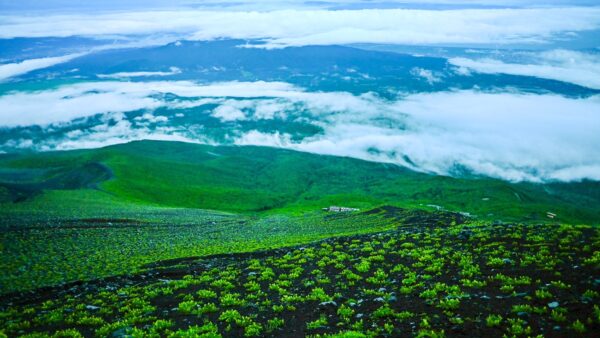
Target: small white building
x,y
334,208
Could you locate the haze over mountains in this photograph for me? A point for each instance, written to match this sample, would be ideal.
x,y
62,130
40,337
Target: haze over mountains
x,y
506,90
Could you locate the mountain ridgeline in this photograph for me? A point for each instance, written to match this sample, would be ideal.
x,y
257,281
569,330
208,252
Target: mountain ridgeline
x,y
253,179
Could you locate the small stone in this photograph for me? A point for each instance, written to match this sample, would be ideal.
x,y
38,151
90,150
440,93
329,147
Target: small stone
x,y
92,307
122,332
327,304
379,300
359,316
553,305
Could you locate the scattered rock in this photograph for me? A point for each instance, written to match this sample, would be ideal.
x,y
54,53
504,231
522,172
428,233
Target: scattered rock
x,y
465,234
553,305
92,307
329,304
122,332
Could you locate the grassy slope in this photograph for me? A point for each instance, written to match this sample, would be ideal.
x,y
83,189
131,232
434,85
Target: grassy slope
x,y
153,174
423,280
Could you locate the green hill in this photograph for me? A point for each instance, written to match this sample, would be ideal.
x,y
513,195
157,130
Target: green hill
x,y
152,174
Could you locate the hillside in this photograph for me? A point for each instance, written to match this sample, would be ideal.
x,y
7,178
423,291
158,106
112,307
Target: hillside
x,y
154,174
418,280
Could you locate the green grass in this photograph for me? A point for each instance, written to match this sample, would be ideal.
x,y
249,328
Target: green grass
x,y
62,251
84,214
423,281
267,180
122,210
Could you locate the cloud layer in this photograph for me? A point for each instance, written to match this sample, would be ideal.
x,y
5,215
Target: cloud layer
x,y
508,135
9,70
321,27
124,75
87,99
562,65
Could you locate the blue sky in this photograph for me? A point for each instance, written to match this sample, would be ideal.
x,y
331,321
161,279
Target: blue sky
x,y
29,5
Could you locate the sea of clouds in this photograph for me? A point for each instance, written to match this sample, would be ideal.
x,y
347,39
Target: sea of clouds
x,y
300,27
501,133
509,135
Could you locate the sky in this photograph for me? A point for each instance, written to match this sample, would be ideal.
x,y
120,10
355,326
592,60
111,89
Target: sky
x,y
62,5
516,96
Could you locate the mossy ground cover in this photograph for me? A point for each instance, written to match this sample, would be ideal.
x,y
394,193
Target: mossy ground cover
x,y
54,252
429,278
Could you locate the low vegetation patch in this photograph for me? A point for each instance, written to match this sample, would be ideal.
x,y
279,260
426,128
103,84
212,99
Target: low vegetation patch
x,y
425,280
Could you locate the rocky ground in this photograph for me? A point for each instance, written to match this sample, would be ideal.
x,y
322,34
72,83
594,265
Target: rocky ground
x,y
431,277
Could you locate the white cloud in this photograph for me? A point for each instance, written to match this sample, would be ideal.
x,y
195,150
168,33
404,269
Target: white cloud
x,y
121,75
257,138
67,103
9,70
563,65
115,129
262,5
320,27
270,109
118,134
425,74
228,113
507,135
511,136
148,118
90,98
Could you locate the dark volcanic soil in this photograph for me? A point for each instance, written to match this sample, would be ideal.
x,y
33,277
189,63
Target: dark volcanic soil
x,y
422,279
